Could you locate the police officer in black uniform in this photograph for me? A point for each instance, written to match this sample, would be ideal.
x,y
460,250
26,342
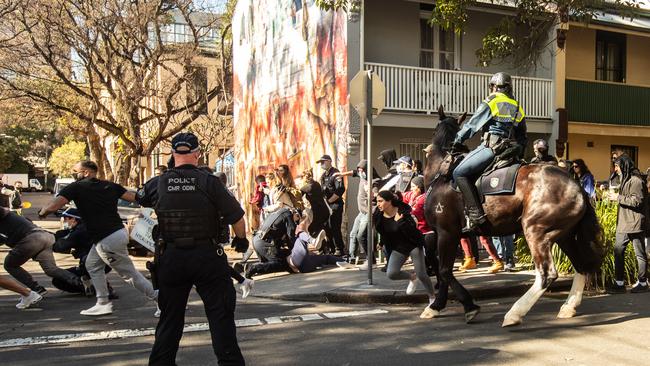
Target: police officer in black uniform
x,y
273,242
333,188
189,202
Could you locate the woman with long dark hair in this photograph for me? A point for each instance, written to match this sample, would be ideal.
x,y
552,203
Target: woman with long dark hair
x,y
313,192
584,177
399,233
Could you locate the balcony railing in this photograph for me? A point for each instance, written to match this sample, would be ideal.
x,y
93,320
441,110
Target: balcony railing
x,y
417,89
608,103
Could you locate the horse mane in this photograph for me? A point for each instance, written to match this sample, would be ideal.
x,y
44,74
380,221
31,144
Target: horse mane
x,y
445,133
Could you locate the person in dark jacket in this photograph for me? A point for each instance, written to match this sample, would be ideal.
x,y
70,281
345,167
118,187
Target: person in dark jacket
x,y
393,221
540,148
333,188
630,224
274,241
74,239
313,192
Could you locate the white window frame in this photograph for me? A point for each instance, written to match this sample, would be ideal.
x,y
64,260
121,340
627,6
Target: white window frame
x,y
436,44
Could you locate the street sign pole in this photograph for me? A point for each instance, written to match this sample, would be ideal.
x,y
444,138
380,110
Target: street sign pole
x,y
370,256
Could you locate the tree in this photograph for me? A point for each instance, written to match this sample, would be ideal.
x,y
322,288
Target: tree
x,y
110,64
66,156
520,38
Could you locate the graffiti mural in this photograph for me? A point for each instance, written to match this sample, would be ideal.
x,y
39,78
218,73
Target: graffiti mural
x,y
290,87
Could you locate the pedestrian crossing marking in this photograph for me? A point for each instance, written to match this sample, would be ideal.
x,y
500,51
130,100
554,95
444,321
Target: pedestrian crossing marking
x,y
189,328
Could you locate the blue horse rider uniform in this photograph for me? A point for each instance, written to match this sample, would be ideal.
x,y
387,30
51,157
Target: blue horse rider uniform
x,y
499,117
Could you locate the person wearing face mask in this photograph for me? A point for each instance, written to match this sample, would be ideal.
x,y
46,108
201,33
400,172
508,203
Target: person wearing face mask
x,y
74,239
333,188
97,202
358,234
28,241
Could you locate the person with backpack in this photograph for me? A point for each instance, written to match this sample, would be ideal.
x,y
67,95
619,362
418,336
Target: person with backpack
x,y
630,224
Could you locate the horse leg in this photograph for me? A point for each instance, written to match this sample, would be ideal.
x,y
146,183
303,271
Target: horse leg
x,y
568,309
544,276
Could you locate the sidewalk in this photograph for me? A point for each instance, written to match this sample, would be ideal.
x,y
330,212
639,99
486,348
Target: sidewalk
x,y
339,285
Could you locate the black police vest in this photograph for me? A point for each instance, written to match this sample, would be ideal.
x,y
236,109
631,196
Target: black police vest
x,y
184,207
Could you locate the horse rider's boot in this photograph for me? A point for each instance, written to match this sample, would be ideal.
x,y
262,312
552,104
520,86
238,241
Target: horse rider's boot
x,y
468,263
476,216
497,266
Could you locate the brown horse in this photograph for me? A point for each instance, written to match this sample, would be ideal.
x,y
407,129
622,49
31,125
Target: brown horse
x,y
547,206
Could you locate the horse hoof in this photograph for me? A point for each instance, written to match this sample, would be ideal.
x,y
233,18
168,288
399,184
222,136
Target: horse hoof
x,y
429,313
470,315
566,312
510,321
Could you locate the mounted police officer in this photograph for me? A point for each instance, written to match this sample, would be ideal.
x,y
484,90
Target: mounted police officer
x,y
500,118
189,203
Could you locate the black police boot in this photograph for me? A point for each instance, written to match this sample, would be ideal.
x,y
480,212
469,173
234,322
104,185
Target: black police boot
x,y
476,216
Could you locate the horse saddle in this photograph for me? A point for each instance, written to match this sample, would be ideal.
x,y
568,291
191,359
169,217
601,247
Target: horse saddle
x,y
498,181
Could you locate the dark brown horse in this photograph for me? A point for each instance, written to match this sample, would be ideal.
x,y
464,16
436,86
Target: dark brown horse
x,y
547,206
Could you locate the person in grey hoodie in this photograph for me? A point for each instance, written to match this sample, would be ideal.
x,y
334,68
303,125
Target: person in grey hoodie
x,y
630,224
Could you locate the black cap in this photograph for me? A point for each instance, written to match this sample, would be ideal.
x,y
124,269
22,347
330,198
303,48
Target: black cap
x,y
323,158
185,143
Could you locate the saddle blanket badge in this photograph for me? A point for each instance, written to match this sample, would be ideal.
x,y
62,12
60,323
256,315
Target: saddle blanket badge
x,y
494,182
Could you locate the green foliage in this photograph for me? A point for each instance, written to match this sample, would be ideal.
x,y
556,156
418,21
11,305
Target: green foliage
x,y
66,156
16,141
606,211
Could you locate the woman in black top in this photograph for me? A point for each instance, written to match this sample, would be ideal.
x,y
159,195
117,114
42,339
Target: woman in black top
x,y
399,233
313,191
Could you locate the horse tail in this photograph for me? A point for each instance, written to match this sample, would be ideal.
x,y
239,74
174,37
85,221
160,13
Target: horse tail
x,y
590,242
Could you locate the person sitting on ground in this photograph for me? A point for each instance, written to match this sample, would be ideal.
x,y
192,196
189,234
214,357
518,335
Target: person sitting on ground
x,y
276,233
74,239
393,221
540,148
301,260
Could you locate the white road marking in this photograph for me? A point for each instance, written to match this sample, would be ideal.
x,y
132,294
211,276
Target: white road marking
x,y
189,328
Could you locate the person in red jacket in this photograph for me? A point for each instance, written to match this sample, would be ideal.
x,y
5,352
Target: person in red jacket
x,y
416,198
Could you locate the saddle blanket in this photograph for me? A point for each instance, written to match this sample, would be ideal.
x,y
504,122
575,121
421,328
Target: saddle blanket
x,y
500,181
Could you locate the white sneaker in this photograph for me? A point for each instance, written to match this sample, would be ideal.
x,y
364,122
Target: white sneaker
x,y
157,313
98,309
29,300
318,242
410,289
246,288
345,265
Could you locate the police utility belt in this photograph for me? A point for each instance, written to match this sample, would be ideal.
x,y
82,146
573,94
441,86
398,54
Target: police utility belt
x,y
193,243
495,142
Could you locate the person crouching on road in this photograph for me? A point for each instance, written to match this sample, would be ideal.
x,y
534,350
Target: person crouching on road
x,y
393,221
28,241
97,202
189,203
74,239
630,224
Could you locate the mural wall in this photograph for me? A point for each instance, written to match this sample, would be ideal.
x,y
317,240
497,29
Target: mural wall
x,y
290,87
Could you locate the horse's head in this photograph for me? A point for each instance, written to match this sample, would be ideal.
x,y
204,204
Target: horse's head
x,y
446,130
439,162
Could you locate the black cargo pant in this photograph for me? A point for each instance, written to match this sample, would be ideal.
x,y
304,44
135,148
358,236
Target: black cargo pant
x,y
333,229
272,258
202,266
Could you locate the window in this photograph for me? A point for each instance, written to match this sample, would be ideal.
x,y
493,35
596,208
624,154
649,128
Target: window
x,y
197,88
413,147
438,48
610,56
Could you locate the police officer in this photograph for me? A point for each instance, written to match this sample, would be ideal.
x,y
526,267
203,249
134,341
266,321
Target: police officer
x,y
273,242
333,188
501,118
189,202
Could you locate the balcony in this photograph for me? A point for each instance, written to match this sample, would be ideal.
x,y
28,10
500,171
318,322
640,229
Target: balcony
x,y
422,90
607,103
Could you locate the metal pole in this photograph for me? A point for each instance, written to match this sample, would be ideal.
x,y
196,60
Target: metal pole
x,y
371,255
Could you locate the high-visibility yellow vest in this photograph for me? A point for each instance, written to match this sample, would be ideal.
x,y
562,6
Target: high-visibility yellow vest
x,y
505,109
